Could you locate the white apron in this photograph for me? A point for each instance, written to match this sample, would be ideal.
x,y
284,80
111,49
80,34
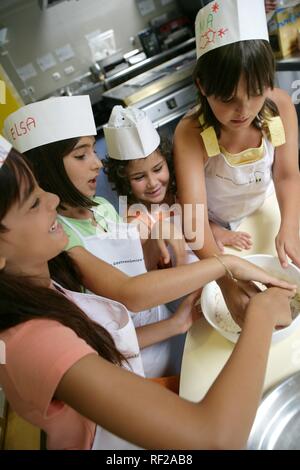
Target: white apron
x,y
126,254
119,246
114,317
235,192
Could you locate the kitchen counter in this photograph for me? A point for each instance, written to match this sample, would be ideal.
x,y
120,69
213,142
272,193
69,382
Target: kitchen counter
x,y
289,64
206,351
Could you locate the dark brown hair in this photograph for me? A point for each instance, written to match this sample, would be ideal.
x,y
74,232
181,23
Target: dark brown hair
x,y
117,174
21,299
219,71
49,170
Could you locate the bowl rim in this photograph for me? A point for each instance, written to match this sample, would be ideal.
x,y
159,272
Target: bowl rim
x,y
233,337
277,335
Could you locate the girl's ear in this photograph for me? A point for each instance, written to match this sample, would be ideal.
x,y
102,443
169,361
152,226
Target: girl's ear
x,y
200,87
2,262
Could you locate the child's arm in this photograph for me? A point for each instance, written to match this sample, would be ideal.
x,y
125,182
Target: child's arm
x,y
152,250
161,286
153,417
155,236
287,181
166,232
189,160
179,323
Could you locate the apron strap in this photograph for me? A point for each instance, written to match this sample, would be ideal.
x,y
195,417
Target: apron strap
x,y
71,226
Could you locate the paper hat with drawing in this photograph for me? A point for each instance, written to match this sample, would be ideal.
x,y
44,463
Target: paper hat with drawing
x,y
49,121
224,22
5,148
130,134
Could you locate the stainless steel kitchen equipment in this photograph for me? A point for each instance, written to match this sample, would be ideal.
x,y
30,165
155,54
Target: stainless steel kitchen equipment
x,y
277,423
149,63
149,42
165,92
96,81
170,29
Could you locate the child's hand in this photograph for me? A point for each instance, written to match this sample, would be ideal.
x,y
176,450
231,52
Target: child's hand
x,y
142,224
245,271
167,233
288,244
238,294
187,313
237,298
225,237
274,302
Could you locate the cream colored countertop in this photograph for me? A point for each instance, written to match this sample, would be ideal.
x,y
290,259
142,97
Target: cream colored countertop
x,y
206,351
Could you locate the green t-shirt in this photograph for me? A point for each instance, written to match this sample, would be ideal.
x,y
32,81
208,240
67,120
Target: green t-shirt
x,y
104,211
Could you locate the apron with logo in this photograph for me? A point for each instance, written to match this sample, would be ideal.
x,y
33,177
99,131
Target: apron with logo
x,y
121,247
236,191
114,317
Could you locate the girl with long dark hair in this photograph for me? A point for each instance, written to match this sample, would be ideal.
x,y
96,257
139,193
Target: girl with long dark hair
x,y
70,357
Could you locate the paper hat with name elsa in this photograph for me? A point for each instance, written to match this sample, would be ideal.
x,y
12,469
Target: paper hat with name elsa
x,y
130,134
225,22
50,120
5,148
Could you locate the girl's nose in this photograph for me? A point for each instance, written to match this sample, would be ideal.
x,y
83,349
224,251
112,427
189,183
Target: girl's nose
x,y
242,107
53,201
151,181
97,163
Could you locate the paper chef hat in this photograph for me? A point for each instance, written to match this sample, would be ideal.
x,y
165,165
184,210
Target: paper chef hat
x,y
130,134
49,121
5,148
223,22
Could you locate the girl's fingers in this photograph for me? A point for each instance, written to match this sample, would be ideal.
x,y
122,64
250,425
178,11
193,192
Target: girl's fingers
x,y
273,281
164,251
245,235
282,255
242,244
220,246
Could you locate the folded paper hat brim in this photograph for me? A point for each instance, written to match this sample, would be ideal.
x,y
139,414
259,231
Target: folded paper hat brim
x,y
131,143
229,21
50,120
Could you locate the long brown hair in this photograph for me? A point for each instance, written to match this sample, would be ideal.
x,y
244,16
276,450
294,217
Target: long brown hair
x,y
21,299
48,166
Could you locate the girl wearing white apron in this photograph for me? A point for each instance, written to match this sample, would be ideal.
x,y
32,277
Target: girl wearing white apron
x,y
61,369
121,247
224,147
115,318
144,175
65,164
236,190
